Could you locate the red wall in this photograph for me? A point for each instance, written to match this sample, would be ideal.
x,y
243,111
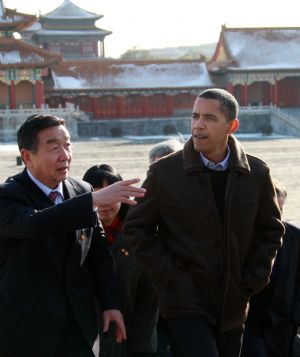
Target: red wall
x,y
289,92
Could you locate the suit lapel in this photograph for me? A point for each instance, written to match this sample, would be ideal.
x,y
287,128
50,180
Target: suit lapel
x,y
69,189
69,192
34,193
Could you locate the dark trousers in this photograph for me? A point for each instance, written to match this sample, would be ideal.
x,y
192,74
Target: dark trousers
x,y
268,340
163,339
253,342
195,337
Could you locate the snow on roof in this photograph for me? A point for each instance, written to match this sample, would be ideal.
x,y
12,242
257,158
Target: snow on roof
x,y
264,48
15,57
36,26
11,18
164,75
68,10
16,53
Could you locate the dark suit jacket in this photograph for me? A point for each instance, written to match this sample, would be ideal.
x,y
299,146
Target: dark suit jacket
x,y
51,257
285,305
275,311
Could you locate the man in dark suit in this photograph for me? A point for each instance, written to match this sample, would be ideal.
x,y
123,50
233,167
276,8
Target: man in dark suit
x,y
53,255
274,313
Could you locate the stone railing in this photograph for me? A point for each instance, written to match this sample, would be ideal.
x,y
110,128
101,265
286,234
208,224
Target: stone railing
x,y
11,119
286,118
260,109
277,113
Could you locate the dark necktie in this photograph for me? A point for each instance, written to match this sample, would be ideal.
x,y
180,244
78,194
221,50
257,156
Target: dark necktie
x,y
53,195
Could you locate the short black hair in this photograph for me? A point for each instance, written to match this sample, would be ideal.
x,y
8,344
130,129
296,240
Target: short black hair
x,y
27,134
228,104
98,175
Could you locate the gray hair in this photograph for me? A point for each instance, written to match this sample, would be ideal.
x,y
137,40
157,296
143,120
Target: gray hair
x,y
165,148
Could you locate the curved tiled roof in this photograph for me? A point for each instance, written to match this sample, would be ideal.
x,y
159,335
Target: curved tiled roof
x,y
13,20
68,10
18,54
260,48
130,75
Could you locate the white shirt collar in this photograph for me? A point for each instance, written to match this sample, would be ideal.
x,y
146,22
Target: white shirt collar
x,y
220,166
45,188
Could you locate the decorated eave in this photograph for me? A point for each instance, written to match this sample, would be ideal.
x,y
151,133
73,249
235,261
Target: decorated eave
x,y
68,10
59,34
15,21
134,77
257,50
16,54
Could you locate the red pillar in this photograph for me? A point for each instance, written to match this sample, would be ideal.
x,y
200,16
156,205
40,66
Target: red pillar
x,y
275,91
170,105
12,95
245,95
94,107
39,93
271,94
120,106
145,106
230,88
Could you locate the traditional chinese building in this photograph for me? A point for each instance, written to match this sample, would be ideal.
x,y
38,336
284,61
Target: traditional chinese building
x,y
71,31
259,65
22,66
119,89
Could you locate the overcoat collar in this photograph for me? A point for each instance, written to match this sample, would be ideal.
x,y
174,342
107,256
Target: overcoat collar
x,y
238,159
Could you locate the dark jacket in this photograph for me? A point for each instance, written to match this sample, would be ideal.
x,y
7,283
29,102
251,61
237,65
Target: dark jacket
x,y
204,266
52,258
138,305
285,304
274,311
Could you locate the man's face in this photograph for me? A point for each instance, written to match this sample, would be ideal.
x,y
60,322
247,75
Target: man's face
x,y
50,164
210,129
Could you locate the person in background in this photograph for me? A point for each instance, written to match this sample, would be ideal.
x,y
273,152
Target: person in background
x,y
53,254
137,293
157,152
165,148
274,313
207,231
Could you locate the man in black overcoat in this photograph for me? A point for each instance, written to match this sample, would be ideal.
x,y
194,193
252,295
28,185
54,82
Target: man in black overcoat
x,y
53,255
274,313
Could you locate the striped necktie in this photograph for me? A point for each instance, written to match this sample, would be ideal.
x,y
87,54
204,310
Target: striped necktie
x,y
53,196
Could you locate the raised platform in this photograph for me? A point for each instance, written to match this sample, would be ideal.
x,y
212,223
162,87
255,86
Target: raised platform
x,y
12,119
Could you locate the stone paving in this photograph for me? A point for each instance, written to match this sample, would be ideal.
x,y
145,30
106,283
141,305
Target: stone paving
x,y
131,160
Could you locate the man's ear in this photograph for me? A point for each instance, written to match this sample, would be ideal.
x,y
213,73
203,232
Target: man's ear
x,y
234,125
26,157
